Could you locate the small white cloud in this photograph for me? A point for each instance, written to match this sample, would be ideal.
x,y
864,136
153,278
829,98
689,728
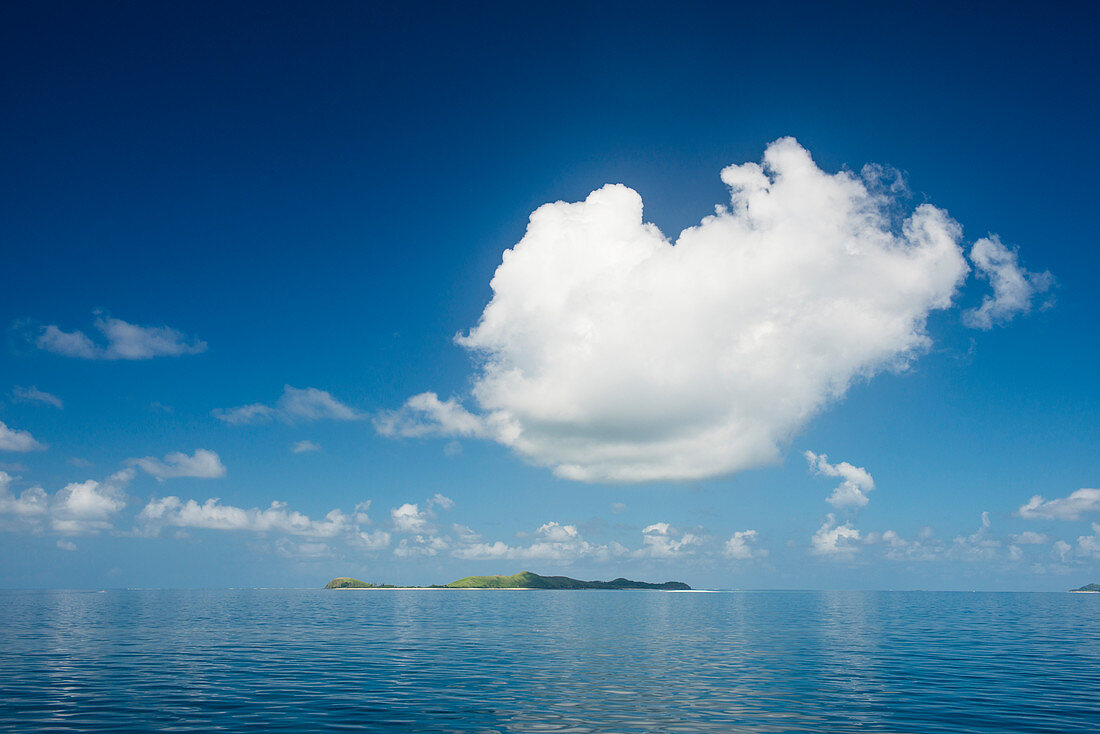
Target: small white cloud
x,y
377,540
409,519
556,533
66,545
1066,508
661,540
832,539
15,440
123,341
1013,287
28,506
1029,537
311,404
203,464
244,414
68,344
741,546
420,546
465,534
90,506
33,395
302,447
426,415
618,508
293,406
852,492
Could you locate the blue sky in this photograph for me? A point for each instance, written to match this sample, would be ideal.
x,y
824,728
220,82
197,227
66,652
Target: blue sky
x,y
297,209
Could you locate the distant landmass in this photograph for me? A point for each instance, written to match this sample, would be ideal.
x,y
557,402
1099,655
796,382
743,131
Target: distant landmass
x,y
528,580
346,582
522,580
1087,588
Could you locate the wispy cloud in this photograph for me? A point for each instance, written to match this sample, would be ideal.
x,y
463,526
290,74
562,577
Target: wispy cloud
x,y
33,395
1065,508
924,547
1013,287
244,414
441,501
302,447
294,405
203,464
120,340
979,545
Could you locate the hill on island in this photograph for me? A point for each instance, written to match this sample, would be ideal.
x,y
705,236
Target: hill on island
x,y
1089,587
522,580
528,580
346,582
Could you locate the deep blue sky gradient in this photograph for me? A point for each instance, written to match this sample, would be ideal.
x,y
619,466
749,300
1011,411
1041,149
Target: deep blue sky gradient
x,y
322,194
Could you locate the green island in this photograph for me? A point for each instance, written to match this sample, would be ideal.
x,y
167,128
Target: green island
x,y
346,582
522,580
1087,589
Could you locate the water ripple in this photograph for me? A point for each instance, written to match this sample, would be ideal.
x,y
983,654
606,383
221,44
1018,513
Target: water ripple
x,y
271,661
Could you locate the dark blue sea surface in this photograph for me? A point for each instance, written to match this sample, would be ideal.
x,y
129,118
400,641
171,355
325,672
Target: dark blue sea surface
x,y
548,661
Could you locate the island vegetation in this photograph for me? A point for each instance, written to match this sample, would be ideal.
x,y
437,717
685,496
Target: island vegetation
x,y
528,580
1087,589
346,582
522,580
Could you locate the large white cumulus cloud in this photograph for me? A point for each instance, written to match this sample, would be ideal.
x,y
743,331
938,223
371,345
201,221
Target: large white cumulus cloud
x,y
611,354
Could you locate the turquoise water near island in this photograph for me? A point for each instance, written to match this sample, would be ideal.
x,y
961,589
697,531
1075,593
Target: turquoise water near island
x,y
551,661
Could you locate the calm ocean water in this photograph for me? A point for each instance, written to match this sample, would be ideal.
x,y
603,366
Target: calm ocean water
x,y
561,661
